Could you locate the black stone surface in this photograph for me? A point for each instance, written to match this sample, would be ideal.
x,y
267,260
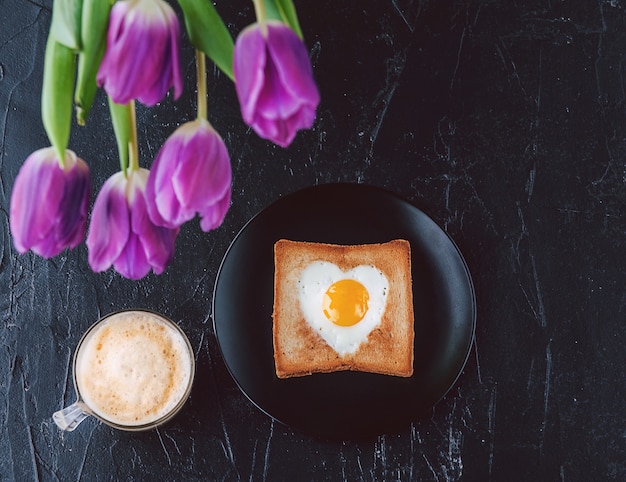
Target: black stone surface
x,y
504,121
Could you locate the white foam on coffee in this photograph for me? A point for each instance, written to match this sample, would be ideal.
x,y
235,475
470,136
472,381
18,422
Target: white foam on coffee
x,y
133,369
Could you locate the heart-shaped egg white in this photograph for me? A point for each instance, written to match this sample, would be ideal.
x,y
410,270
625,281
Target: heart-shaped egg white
x,y
316,278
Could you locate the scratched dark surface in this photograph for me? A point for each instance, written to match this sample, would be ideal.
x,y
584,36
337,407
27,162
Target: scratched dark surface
x,y
504,121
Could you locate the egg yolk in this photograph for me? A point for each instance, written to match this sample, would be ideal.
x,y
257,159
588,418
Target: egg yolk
x,y
345,302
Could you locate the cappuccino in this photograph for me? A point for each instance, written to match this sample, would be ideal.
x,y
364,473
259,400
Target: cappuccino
x,y
134,368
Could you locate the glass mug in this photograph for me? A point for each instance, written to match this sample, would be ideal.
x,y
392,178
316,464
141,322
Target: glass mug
x,y
133,370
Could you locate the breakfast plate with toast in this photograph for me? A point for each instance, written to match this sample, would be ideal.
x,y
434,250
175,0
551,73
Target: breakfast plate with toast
x,y
344,311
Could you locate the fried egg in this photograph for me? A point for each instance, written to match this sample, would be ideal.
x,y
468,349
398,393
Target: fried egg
x,y
342,306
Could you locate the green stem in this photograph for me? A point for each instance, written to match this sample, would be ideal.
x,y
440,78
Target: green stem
x,y
261,15
133,147
201,77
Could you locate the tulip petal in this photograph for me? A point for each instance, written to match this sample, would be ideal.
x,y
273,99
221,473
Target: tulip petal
x,y
109,229
204,174
75,204
118,91
291,61
157,242
163,206
289,97
174,58
38,177
132,262
159,245
249,60
214,215
160,66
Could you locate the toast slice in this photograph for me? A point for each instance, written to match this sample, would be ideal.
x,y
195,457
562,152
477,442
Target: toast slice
x,y
300,350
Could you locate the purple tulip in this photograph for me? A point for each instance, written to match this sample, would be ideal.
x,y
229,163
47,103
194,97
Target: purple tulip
x,y
141,60
274,82
121,233
49,203
191,174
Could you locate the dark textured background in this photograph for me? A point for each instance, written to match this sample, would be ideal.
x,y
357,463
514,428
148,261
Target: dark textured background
x,y
503,120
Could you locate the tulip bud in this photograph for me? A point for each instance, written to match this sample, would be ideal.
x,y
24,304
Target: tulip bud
x,y
121,233
49,203
141,60
191,174
274,82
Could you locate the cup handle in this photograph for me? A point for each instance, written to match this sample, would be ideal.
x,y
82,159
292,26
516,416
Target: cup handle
x,y
69,418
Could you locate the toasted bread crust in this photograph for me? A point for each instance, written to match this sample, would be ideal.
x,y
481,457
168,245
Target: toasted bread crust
x,y
299,351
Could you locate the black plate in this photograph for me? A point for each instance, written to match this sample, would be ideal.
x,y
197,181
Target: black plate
x,y
344,404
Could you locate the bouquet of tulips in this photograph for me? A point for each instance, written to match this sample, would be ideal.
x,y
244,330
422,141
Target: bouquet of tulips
x,y
131,49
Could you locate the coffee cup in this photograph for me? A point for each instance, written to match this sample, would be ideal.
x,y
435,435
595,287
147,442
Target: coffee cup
x,y
133,370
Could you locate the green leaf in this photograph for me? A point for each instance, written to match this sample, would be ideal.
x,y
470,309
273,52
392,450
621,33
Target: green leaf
x,y
288,12
122,120
66,22
95,21
57,93
208,33
285,11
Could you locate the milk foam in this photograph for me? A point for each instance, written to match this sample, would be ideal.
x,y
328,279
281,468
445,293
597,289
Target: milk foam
x,y
133,368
